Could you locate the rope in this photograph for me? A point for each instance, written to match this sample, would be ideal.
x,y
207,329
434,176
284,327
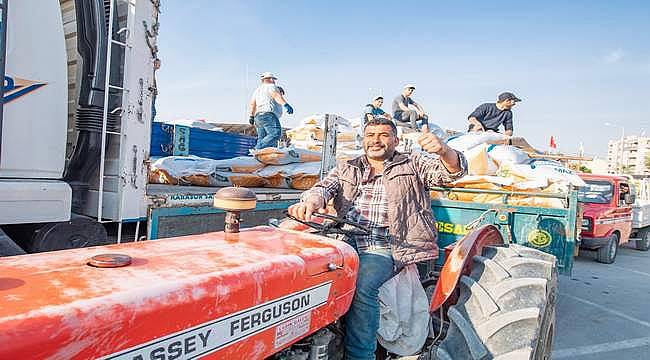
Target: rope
x,y
474,223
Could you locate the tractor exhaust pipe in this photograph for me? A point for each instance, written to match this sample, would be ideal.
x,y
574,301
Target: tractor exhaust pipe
x,y
234,200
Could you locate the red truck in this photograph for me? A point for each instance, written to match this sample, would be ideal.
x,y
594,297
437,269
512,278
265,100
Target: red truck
x,y
608,212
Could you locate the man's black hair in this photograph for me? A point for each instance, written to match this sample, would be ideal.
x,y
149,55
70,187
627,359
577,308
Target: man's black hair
x,y
381,121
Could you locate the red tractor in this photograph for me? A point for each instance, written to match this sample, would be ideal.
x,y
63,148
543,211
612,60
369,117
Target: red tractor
x,y
262,293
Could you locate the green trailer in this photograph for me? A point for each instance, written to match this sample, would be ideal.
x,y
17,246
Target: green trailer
x,y
186,210
552,230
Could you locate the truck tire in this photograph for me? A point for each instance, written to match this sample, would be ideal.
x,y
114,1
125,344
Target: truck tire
x,y
76,233
506,307
607,253
644,240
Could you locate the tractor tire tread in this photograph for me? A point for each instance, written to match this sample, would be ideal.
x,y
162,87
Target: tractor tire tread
x,y
506,307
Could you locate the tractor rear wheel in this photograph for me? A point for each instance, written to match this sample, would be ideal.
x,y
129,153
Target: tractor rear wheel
x,y
506,307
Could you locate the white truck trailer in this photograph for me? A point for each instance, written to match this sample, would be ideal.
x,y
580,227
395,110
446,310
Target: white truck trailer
x,y
75,131
641,215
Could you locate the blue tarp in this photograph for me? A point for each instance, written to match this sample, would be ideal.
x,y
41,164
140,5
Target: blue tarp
x,y
204,143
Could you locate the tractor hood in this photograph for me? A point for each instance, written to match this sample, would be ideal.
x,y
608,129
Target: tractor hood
x,y
206,292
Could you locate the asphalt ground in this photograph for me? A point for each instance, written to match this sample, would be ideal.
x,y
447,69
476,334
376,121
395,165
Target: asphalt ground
x,y
602,310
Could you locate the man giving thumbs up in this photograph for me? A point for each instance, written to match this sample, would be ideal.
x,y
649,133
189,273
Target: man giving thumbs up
x,y
387,192
433,145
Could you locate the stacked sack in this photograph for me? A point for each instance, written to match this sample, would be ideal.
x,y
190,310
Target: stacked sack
x,y
288,168
494,166
198,171
408,138
310,134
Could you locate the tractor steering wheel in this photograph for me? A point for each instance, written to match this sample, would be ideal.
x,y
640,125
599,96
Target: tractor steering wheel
x,y
335,226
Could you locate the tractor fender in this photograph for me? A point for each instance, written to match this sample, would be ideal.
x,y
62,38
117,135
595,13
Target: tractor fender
x,y
459,261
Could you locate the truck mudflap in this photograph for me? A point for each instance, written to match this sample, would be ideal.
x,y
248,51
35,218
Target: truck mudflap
x,y
587,242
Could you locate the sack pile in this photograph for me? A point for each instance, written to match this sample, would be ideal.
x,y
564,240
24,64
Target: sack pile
x,y
408,138
198,171
288,168
494,166
310,134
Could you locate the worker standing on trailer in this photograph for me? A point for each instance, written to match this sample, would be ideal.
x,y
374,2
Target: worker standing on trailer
x,y
265,111
387,192
489,116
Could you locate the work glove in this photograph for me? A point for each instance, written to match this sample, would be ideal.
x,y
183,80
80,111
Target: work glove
x,y
288,108
251,120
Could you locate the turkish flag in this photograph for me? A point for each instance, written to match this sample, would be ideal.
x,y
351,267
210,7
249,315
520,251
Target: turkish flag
x,y
552,143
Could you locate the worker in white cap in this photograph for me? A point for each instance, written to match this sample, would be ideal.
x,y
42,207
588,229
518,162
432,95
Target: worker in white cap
x,y
406,110
265,111
373,110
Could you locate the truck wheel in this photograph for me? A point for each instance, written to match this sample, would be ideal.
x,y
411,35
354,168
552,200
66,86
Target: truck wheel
x,y
607,253
76,233
644,242
506,307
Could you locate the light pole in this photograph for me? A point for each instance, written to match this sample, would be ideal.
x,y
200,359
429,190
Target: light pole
x,y
620,167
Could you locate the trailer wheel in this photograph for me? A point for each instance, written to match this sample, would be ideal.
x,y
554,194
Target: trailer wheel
x,y
506,307
607,253
644,242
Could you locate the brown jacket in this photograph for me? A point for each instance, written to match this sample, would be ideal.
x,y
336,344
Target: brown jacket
x,y
407,179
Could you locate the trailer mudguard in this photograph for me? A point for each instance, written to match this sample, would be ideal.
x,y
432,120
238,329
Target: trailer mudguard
x,y
458,261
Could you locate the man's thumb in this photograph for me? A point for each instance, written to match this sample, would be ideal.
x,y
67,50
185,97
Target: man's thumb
x,y
425,129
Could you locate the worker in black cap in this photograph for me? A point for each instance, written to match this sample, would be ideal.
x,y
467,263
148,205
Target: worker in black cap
x,y
490,116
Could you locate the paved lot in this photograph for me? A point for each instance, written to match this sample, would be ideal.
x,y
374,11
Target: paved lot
x,y
602,311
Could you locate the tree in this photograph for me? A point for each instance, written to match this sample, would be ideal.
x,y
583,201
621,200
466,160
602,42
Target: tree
x,y
584,169
627,169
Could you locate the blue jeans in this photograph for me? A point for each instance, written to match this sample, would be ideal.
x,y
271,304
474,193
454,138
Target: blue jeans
x,y
362,320
413,118
268,129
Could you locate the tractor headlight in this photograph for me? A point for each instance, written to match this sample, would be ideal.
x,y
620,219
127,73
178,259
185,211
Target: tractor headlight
x,y
587,224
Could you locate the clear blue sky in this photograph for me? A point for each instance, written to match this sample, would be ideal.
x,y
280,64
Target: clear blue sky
x,y
576,64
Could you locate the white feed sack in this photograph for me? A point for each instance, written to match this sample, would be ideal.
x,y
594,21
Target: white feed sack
x,y
467,141
194,170
478,161
556,172
507,154
283,156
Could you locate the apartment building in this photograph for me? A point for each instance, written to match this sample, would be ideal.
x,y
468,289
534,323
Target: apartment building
x,y
628,156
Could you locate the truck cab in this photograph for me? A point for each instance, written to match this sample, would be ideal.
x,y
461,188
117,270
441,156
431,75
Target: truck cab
x,y
607,214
